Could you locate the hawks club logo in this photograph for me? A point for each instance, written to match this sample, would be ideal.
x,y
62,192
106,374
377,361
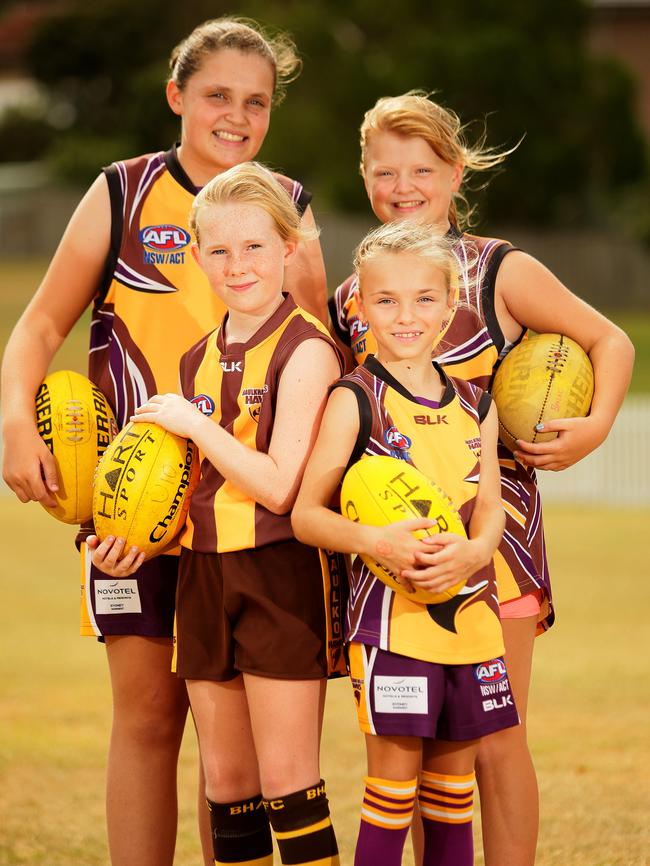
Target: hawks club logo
x,y
164,238
203,403
253,398
490,672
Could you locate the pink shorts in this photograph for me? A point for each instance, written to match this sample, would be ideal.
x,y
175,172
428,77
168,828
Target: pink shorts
x,y
519,608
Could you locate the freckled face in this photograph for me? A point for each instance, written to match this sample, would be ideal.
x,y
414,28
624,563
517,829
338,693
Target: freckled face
x,y
225,108
243,256
405,300
404,177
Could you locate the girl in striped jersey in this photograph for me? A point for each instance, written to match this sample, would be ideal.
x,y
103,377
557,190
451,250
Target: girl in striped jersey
x,y
251,623
443,661
126,252
414,160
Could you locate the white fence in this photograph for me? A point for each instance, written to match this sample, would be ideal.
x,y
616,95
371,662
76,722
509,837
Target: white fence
x,y
616,473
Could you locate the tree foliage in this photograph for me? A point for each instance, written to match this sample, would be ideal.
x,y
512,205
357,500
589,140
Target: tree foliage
x,y
522,69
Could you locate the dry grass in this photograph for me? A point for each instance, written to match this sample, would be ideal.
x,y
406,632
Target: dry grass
x,y
589,715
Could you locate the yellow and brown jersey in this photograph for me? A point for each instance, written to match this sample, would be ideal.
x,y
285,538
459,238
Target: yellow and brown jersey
x,y
471,348
443,442
237,385
154,301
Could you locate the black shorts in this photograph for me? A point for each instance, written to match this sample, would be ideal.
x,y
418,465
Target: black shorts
x,y
258,611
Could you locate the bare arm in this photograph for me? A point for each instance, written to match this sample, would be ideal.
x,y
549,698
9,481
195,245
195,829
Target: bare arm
x,y
528,294
457,558
66,290
272,479
305,278
316,524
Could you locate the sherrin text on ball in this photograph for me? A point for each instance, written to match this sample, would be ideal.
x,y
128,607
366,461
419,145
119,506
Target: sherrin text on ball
x,y
77,424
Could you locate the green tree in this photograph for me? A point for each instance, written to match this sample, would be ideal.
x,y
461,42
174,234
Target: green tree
x,y
521,68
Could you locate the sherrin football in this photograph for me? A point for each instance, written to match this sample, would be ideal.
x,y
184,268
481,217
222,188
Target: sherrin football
x,y
381,490
76,423
545,377
143,486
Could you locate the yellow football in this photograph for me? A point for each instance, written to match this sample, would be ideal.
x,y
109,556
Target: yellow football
x,y
77,425
545,377
381,490
143,486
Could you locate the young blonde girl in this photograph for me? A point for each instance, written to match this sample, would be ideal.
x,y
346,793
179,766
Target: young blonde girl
x,y
126,251
439,653
252,639
415,161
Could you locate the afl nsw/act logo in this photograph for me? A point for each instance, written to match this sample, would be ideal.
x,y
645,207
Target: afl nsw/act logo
x,y
490,672
358,331
162,244
203,403
397,441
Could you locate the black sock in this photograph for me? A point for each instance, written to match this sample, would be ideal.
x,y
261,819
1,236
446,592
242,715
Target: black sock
x,y
302,826
241,832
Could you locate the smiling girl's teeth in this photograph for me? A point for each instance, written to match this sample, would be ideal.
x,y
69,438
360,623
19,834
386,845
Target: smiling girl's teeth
x,y
400,204
228,136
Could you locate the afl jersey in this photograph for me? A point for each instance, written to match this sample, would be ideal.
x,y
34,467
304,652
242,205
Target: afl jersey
x,y
471,347
237,385
154,301
445,444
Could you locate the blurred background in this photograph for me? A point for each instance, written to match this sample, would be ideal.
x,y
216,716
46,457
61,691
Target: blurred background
x,y
82,83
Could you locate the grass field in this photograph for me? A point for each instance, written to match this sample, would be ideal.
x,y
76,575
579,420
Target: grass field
x,y
19,279
589,715
590,703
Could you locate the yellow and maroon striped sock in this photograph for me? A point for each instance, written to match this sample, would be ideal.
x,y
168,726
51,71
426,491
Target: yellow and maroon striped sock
x,y
386,816
447,808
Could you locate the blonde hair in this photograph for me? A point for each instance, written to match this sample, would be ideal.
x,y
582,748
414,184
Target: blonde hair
x,y
407,236
252,183
415,114
240,34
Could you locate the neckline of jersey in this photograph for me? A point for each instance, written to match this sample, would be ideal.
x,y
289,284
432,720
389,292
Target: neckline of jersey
x,y
177,171
376,368
265,330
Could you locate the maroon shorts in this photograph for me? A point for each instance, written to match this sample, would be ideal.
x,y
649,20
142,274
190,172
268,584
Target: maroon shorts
x,y
142,604
258,611
398,696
